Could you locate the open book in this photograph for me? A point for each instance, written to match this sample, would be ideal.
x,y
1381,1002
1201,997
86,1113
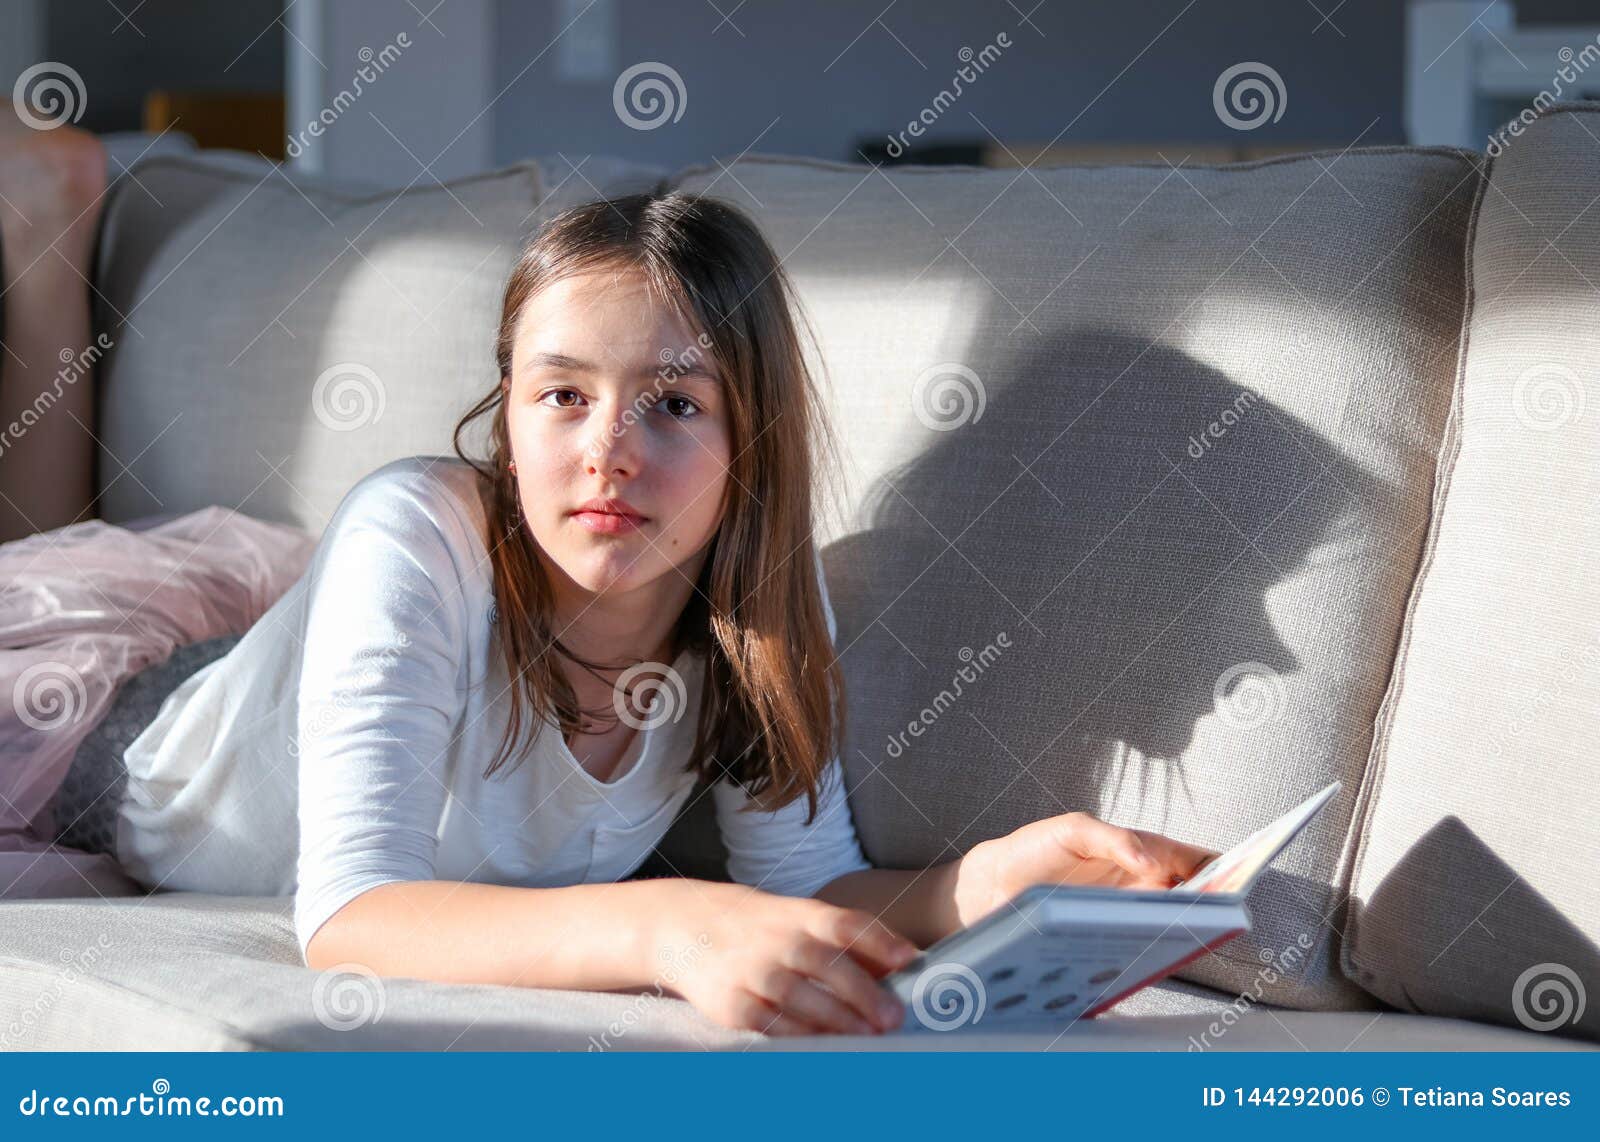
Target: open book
x,y
1064,952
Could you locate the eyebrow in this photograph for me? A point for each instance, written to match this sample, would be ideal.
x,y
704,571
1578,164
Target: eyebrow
x,y
693,371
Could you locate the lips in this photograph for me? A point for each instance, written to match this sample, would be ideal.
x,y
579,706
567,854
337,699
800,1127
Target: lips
x,y
608,515
607,506
604,523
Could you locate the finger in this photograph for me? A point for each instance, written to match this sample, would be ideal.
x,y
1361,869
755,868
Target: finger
x,y
878,947
752,1013
850,982
1087,835
796,996
1175,857
1093,872
1115,876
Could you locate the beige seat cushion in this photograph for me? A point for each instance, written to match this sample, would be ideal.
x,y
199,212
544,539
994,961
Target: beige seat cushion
x,y
1138,467
190,972
1475,889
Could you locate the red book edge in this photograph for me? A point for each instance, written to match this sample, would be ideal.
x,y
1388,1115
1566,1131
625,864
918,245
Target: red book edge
x,y
1163,973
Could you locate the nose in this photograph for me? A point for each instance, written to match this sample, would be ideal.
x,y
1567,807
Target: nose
x,y
613,451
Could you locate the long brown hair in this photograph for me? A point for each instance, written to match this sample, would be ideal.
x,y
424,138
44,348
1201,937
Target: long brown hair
x,y
772,714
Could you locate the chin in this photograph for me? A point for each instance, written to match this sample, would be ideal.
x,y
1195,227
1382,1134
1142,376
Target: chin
x,y
615,570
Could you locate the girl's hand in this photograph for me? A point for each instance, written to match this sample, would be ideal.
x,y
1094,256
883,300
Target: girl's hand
x,y
1072,848
783,965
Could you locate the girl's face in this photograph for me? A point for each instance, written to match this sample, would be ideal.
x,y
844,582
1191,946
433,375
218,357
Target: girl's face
x,y
611,395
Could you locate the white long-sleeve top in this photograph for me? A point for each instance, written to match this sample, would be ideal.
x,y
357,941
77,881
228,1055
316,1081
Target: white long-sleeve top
x,y
341,743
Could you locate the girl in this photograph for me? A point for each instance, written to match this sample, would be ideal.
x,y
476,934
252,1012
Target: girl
x,y
499,680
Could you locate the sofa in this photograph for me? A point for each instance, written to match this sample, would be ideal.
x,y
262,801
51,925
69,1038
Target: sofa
x,y
1271,473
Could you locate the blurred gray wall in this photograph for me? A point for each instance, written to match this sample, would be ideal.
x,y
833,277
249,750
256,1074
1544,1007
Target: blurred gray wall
x,y
829,74
821,74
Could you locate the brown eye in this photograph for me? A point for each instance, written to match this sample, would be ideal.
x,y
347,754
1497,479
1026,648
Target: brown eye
x,y
679,408
558,392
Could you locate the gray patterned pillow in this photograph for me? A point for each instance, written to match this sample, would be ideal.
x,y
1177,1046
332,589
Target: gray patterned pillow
x,y
85,806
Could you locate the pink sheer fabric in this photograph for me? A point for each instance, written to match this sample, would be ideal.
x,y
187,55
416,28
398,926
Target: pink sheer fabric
x,y
85,607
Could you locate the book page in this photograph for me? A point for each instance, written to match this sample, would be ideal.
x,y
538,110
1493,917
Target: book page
x,y
1234,871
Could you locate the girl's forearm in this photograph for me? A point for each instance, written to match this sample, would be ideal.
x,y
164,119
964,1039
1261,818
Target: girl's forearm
x,y
920,904
589,937
585,936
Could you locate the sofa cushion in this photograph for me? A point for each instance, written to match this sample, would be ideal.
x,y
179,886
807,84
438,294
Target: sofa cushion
x,y
1137,469
192,972
84,808
1474,889
277,337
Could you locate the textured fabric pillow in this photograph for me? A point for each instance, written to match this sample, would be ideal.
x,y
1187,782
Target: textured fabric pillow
x,y
1137,472
85,805
276,338
1475,892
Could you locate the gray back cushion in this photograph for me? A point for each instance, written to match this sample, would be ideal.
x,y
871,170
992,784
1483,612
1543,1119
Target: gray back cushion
x,y
1172,438
1475,892
277,337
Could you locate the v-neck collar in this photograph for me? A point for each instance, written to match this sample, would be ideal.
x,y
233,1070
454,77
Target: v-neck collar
x,y
643,748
